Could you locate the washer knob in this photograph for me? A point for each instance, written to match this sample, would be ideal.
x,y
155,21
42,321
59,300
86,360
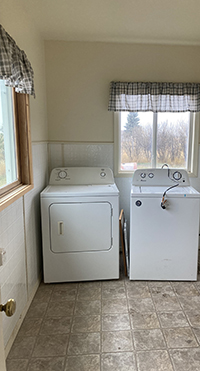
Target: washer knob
x,y
143,175
103,174
151,175
177,175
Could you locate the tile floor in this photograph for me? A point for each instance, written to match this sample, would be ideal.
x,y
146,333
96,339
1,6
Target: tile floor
x,y
110,326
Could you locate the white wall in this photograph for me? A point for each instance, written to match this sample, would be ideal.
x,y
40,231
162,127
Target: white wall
x,y
20,234
21,239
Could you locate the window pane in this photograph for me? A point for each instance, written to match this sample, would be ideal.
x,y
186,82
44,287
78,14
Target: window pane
x,y
172,139
136,140
8,168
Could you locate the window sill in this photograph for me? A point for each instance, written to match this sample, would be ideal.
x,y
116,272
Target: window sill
x,y
12,196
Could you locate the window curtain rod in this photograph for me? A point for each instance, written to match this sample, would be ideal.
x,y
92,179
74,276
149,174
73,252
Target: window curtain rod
x,y
154,96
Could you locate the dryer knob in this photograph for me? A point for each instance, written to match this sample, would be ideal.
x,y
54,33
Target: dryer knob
x,y
62,174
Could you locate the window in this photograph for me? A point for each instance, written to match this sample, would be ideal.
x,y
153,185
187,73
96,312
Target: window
x,y
148,140
156,123
15,145
16,84
8,160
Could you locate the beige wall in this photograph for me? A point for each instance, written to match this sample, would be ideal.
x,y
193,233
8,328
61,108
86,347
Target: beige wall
x,y
79,73
23,31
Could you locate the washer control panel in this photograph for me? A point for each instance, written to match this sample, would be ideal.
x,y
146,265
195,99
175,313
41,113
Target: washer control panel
x,y
159,177
81,176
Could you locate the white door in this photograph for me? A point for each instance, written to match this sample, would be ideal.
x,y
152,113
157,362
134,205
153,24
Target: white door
x,y
2,354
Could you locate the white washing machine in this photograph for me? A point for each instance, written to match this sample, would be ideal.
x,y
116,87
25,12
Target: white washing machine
x,y
80,227
164,226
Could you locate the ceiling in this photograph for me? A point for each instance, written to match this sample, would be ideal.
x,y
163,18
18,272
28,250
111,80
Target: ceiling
x,y
142,21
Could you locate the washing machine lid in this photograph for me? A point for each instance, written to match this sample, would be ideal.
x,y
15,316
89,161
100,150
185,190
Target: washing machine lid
x,y
157,191
80,191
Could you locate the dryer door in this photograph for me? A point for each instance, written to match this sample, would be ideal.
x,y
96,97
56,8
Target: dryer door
x,y
80,226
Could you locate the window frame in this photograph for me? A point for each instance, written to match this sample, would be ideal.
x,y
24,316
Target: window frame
x,y
192,166
10,193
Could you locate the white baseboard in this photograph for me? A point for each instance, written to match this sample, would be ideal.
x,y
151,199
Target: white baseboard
x,y
21,318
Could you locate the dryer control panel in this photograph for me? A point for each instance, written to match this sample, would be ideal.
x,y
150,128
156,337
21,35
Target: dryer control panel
x,y
160,177
81,176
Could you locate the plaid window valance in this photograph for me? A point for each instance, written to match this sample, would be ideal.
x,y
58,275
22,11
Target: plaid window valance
x,y
154,96
15,67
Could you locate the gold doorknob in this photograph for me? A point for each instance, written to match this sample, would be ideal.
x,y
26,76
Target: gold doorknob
x,y
9,308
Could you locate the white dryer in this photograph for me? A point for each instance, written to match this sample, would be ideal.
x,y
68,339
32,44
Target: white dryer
x,y
80,228
164,226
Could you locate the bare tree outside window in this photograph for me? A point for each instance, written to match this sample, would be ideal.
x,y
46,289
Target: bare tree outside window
x,y
8,166
2,159
171,144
